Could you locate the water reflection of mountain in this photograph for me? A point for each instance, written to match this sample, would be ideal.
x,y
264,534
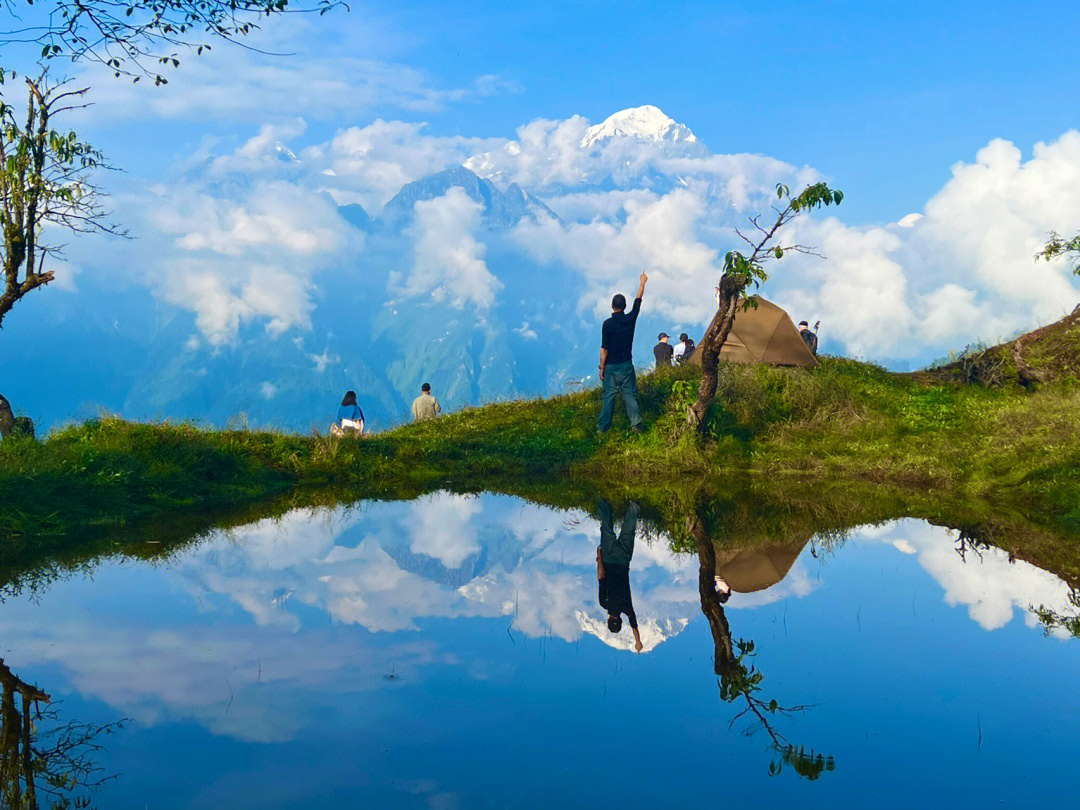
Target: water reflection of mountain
x,y
318,629
498,548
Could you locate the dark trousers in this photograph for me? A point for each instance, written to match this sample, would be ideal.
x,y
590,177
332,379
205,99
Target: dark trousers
x,y
617,549
619,378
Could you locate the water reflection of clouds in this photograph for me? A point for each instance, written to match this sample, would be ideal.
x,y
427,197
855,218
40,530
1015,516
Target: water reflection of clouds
x,y
441,556
991,586
260,687
441,527
251,646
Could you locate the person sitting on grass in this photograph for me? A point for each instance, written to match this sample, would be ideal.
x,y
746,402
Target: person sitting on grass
x,y
350,419
425,406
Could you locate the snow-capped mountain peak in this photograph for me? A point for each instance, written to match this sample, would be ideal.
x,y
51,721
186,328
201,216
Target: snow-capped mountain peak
x,y
647,123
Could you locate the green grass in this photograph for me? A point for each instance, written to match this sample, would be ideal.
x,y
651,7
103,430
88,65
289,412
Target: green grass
x,y
842,421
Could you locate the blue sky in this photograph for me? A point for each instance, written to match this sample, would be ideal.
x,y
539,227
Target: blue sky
x,y
950,127
881,97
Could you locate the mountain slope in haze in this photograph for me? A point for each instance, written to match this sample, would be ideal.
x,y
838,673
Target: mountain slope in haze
x,y
372,329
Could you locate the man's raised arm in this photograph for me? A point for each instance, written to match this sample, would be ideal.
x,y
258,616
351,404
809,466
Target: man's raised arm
x,y
641,286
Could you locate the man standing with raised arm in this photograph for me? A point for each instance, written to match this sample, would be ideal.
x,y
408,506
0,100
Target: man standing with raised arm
x,y
617,362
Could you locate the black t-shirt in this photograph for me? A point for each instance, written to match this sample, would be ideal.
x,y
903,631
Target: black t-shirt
x,y
615,592
663,353
810,339
618,334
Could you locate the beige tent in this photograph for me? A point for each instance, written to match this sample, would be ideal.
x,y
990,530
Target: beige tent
x,y
755,568
763,335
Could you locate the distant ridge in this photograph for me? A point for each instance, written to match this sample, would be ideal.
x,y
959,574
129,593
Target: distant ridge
x,y
502,209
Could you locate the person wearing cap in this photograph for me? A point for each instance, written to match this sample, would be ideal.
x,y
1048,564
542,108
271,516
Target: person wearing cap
x,y
617,363
663,351
425,406
613,557
684,348
809,338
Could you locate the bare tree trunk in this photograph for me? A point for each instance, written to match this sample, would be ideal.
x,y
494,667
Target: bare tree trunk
x,y
711,344
28,752
724,663
1027,375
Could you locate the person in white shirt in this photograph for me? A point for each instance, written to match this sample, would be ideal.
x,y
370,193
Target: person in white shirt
x,y
684,348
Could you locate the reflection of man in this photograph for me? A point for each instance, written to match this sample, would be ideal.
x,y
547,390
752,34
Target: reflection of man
x,y
613,568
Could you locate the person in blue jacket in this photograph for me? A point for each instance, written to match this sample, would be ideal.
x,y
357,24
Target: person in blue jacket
x,y
350,419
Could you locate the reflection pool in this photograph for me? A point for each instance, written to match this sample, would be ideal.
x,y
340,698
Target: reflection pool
x,y
451,652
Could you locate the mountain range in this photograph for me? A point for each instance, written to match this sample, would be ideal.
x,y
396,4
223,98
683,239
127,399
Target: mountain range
x,y
125,350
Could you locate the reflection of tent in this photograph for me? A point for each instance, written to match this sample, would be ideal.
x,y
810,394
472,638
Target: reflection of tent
x,y
755,568
763,335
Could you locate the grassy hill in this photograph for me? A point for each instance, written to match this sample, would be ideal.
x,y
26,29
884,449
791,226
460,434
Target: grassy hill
x,y
842,420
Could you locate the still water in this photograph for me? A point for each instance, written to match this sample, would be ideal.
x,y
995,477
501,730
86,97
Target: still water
x,y
450,652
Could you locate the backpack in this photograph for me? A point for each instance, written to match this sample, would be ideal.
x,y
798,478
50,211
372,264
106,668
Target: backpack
x,y
689,350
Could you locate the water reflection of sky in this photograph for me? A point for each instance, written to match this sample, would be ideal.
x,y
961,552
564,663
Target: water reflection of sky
x,y
444,653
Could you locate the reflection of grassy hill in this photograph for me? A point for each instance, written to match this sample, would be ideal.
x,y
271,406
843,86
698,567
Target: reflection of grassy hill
x,y
1010,446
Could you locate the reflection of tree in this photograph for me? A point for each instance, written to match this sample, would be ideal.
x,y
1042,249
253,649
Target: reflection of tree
x,y
739,679
57,764
1052,619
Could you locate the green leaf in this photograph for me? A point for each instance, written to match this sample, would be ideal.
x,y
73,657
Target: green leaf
x,y
779,252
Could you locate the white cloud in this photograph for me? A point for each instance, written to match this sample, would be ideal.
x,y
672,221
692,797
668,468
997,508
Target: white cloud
x,y
234,84
370,164
962,270
439,527
526,331
268,390
225,297
990,584
658,237
235,253
959,271
448,260
324,360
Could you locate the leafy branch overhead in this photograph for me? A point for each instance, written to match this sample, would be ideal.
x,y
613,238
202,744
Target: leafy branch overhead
x,y
140,38
745,270
1059,247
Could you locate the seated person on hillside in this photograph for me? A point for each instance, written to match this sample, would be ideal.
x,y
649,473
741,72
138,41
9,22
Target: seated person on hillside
x,y
613,568
663,351
809,338
425,406
350,419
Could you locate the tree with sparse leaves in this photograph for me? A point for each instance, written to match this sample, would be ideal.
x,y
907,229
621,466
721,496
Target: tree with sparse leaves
x,y
45,183
741,271
739,680
141,38
45,762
